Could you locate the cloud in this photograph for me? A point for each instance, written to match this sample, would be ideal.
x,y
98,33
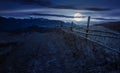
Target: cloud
x,y
98,9
103,19
79,8
55,15
64,16
112,14
33,2
51,4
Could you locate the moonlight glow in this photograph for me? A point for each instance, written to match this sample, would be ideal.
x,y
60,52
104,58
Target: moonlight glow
x,y
77,17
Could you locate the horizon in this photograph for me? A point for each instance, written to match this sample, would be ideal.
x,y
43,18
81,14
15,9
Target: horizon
x,y
81,23
99,10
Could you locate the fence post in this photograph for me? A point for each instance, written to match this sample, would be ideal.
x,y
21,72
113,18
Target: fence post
x,y
71,27
88,24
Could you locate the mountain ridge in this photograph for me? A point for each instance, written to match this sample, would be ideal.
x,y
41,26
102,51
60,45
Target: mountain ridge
x,y
111,25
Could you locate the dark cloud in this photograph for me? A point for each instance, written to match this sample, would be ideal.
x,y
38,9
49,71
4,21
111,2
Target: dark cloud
x,y
81,8
34,2
115,14
51,4
98,9
39,2
103,19
55,15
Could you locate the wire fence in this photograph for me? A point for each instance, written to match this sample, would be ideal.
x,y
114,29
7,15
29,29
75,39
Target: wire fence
x,y
95,41
92,32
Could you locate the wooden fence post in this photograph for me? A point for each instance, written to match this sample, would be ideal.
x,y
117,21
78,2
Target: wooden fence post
x,y
71,28
88,24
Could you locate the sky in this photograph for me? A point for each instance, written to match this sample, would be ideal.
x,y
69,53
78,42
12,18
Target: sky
x,y
99,10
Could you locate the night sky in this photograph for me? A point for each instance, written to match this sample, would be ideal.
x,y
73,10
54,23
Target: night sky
x,y
99,10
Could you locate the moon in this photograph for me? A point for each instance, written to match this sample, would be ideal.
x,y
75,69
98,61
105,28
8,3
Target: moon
x,y
77,17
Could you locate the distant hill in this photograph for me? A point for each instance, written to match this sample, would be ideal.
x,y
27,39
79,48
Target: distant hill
x,y
111,25
8,24
33,28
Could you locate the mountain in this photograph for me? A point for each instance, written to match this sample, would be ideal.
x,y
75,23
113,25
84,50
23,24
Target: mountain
x,y
111,25
34,28
8,24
